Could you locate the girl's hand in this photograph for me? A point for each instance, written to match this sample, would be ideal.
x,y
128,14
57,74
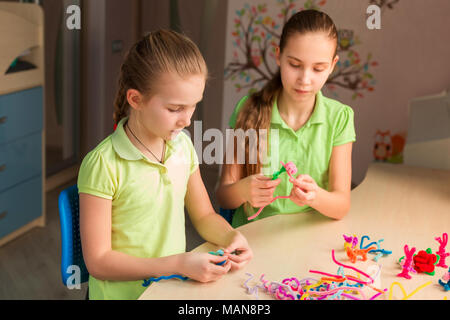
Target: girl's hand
x,y
238,251
304,191
258,189
202,266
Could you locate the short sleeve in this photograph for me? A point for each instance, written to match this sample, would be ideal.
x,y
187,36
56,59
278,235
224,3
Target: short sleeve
x,y
344,129
194,158
234,115
190,153
96,177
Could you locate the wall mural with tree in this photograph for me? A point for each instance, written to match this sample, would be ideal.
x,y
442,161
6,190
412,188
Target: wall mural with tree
x,y
256,34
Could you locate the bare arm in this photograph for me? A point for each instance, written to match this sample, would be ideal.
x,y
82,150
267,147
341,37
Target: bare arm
x,y
211,226
104,263
228,193
233,190
334,202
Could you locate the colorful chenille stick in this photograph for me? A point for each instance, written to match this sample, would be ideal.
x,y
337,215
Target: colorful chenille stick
x,y
408,263
173,276
147,282
405,295
425,262
445,277
350,267
354,253
219,252
350,241
361,246
441,252
380,252
253,290
290,169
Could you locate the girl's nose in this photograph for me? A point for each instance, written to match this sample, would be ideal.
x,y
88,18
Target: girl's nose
x,y
185,120
304,77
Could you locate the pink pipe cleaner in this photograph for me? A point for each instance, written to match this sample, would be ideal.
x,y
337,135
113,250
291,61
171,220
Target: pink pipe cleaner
x,y
407,265
291,169
321,293
441,252
260,209
350,267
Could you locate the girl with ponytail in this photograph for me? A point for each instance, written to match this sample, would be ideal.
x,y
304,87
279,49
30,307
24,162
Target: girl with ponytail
x,y
314,132
135,184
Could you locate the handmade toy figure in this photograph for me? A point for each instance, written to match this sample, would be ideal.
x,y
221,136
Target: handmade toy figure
x,y
350,241
441,252
290,169
379,252
425,261
446,277
353,253
408,263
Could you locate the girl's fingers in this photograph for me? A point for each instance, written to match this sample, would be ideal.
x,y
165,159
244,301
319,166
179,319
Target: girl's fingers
x,y
303,185
242,256
221,270
305,177
299,194
216,259
268,184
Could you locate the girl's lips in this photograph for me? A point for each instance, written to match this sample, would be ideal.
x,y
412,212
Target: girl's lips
x,y
301,91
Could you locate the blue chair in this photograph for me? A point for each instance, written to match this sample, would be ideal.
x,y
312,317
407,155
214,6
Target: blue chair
x,y
227,214
71,251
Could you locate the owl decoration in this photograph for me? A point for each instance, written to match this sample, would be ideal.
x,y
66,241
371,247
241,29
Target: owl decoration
x,y
345,39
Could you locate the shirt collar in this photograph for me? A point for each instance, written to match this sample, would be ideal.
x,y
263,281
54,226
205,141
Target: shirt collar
x,y
122,145
318,115
126,150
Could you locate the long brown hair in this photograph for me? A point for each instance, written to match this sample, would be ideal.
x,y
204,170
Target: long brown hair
x,y
156,53
257,110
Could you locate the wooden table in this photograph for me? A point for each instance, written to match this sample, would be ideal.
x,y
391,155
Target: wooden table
x,y
397,203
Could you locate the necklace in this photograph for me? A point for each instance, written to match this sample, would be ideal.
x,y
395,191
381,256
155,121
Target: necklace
x,y
164,147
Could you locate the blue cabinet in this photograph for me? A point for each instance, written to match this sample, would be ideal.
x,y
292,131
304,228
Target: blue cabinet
x,y
21,160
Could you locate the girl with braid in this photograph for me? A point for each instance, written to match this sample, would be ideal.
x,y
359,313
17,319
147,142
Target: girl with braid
x,y
314,132
135,184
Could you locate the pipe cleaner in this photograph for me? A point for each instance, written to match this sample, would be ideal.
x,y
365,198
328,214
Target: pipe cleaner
x,y
353,241
253,290
147,282
408,264
353,254
425,261
406,296
380,252
445,277
290,169
350,267
441,252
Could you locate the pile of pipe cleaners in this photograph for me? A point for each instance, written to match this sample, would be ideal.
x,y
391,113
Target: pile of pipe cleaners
x,y
342,286
338,286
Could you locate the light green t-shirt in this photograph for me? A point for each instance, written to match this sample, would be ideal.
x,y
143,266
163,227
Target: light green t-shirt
x,y
147,201
309,148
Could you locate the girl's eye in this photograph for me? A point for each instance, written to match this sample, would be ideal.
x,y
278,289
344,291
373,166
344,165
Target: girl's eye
x,y
295,65
175,110
318,70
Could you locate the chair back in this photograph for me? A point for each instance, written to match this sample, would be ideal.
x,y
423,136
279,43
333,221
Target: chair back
x,y
73,267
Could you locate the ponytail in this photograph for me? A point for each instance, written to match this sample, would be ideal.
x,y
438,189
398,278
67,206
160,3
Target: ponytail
x,y
257,114
158,52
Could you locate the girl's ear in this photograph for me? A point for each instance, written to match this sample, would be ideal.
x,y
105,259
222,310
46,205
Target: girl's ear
x,y
134,98
333,64
277,55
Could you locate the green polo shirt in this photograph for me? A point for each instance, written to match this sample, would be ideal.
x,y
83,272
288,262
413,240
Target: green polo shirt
x,y
309,148
147,201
